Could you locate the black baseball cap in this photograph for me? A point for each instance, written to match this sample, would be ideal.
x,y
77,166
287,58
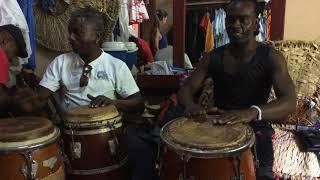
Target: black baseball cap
x,y
16,33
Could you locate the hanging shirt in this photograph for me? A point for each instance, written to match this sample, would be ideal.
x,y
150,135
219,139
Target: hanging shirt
x,y
137,11
268,25
221,35
26,7
4,68
144,53
207,26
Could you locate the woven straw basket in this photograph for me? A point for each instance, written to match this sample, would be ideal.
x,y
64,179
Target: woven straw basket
x,y
52,29
303,60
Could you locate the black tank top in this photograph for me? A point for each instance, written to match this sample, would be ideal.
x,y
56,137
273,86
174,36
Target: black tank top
x,y
249,86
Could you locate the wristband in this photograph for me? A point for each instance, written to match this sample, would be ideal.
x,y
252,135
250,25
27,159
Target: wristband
x,y
259,112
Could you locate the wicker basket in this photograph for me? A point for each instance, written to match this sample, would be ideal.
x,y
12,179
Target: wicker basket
x,y
52,29
303,59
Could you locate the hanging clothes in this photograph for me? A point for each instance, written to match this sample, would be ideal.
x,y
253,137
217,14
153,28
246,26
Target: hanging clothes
x,y
221,35
26,7
262,36
207,27
268,25
137,11
116,31
11,13
123,21
195,43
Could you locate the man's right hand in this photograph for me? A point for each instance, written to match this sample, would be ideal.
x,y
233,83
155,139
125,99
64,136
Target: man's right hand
x,y
26,100
197,110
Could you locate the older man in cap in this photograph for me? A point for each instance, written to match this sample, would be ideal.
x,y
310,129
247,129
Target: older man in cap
x,y
12,44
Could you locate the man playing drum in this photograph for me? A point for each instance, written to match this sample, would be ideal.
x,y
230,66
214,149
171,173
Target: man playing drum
x,y
88,75
11,44
243,73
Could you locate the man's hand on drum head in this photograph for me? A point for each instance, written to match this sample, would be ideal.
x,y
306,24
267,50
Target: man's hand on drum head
x,y
197,110
99,101
237,116
26,100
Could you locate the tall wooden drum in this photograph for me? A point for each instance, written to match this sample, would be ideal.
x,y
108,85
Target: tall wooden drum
x,y
94,144
29,150
202,151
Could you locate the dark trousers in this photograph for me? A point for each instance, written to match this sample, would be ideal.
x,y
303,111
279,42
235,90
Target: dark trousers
x,y
142,154
263,149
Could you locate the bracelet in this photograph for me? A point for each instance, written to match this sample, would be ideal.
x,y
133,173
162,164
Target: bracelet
x,y
259,112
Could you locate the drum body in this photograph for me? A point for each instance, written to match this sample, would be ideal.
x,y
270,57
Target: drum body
x,y
94,144
29,149
202,151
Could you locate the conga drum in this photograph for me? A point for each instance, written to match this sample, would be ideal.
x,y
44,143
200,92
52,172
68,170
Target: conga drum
x,y
202,151
29,150
94,144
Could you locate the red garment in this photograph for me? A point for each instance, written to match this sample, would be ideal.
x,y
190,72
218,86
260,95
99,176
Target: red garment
x,y
164,106
4,68
144,52
204,22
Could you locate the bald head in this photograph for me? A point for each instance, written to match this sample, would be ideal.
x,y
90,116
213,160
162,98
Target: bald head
x,y
242,21
252,4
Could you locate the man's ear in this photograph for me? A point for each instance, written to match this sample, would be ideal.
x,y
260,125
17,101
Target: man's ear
x,y
3,42
99,37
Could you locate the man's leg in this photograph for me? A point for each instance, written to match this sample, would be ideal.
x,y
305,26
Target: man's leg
x,y
141,156
264,151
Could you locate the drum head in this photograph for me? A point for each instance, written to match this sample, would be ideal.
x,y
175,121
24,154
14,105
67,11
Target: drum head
x,y
83,114
25,131
189,135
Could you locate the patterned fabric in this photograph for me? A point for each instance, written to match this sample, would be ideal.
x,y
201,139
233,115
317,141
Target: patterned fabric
x,y
137,11
289,161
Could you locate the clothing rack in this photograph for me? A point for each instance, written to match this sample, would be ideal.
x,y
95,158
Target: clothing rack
x,y
207,3
180,7
212,2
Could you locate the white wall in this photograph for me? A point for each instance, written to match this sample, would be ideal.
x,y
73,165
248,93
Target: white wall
x,y
302,20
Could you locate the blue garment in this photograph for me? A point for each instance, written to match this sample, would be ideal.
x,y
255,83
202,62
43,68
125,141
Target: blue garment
x,y
262,36
163,43
26,7
220,31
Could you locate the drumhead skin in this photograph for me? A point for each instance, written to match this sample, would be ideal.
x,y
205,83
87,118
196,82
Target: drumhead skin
x,y
204,140
83,114
26,132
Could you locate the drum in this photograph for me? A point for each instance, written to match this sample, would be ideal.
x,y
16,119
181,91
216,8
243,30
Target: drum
x,y
94,144
202,151
29,150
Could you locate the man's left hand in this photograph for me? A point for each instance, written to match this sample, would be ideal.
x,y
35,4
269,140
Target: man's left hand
x,y
99,101
237,116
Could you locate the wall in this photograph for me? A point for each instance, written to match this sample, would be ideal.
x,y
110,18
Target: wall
x,y
302,20
168,6
43,59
